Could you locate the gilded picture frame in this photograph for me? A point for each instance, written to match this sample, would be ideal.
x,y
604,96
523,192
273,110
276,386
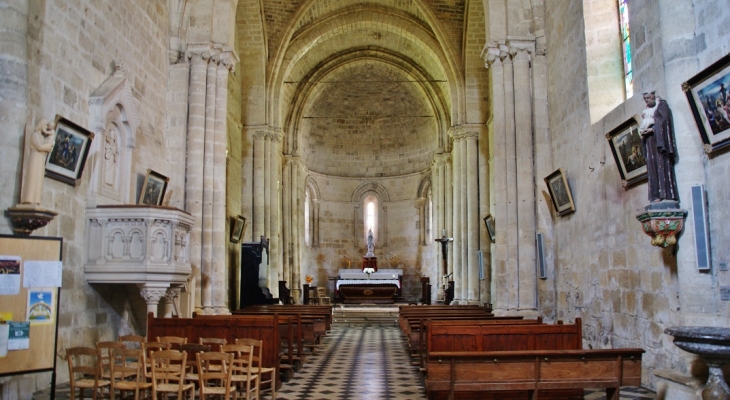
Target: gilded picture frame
x,y
708,94
628,152
66,161
153,189
560,195
238,225
489,223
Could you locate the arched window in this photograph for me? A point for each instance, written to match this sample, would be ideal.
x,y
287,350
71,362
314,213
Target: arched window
x,y
370,217
623,13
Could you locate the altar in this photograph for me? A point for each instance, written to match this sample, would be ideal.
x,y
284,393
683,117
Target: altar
x,y
355,287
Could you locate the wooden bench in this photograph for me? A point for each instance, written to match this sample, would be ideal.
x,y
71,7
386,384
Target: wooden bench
x,y
531,374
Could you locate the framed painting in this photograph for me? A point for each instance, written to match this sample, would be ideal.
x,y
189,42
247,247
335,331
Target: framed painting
x,y
153,189
560,194
489,223
238,224
627,150
709,98
66,161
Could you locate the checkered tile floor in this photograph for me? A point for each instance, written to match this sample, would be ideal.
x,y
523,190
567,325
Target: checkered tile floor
x,y
363,363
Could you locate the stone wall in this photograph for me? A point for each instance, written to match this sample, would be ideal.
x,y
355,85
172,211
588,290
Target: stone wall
x,y
605,270
72,49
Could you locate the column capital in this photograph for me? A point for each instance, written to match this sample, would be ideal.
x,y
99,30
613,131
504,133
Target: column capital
x,y
275,135
494,51
229,59
152,294
200,51
521,47
466,131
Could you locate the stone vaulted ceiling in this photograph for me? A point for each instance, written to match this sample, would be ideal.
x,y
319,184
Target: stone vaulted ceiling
x,y
363,89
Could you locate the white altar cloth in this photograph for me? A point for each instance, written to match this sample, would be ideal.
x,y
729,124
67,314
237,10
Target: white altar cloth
x,y
395,282
382,273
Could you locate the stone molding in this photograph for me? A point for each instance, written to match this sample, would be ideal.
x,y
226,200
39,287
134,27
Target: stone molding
x,y
114,113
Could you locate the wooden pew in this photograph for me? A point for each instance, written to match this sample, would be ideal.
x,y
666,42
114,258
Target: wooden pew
x,y
417,326
531,374
462,324
407,315
263,327
316,311
452,338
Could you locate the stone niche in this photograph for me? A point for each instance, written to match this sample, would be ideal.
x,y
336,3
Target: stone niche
x,y
143,245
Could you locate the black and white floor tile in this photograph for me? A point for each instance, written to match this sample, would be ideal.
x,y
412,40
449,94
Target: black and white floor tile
x,y
358,363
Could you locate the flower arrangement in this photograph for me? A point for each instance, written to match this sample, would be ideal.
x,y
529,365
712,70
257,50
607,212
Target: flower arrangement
x,y
309,279
368,270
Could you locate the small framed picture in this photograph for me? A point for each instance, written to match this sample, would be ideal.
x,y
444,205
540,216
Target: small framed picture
x,y
238,224
560,194
627,150
66,161
708,94
153,189
489,223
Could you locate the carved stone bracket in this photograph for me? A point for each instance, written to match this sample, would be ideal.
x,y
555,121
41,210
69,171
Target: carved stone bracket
x,y
26,219
662,222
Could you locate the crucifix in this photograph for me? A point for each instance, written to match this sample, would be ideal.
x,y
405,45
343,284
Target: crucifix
x,y
444,249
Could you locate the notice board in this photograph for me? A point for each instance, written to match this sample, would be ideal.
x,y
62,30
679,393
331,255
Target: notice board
x,y
40,356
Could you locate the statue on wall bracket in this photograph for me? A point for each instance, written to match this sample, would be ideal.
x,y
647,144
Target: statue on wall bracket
x,y
662,219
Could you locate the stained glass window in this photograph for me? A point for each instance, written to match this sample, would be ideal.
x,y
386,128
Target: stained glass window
x,y
623,10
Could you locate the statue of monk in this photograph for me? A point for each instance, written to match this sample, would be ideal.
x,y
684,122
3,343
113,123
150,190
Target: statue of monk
x,y
657,137
41,141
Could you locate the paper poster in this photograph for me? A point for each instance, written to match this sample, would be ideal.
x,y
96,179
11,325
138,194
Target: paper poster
x,y
42,273
6,316
40,306
4,331
19,336
9,275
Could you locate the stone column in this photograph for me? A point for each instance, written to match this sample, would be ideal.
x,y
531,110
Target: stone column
x,y
314,210
227,62
510,264
207,272
274,168
199,57
493,56
458,277
259,201
525,171
297,185
472,215
152,294
267,185
421,204
286,235
448,209
169,299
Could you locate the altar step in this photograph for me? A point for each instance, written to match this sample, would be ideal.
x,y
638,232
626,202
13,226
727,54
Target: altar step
x,y
364,315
